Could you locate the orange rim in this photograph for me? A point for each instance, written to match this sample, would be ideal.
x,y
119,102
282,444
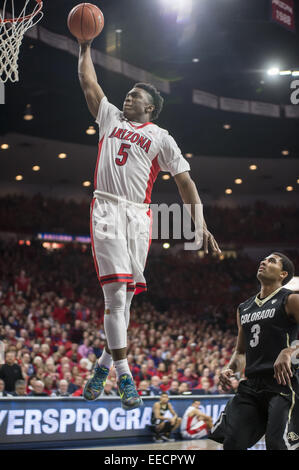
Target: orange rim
x,y
22,18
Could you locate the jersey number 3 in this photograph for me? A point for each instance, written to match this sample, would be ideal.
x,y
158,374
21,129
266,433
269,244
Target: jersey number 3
x,y
122,152
256,329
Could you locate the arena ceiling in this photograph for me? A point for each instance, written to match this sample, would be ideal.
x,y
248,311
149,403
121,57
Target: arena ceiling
x,y
235,43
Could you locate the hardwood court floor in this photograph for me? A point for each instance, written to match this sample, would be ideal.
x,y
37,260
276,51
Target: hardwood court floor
x,y
201,444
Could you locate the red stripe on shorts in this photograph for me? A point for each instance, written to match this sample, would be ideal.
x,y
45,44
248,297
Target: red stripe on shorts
x,y
92,241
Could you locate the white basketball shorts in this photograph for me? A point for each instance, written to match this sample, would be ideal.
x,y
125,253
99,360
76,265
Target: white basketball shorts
x,y
120,237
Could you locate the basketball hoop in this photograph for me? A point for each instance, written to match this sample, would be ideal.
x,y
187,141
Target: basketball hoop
x,y
13,26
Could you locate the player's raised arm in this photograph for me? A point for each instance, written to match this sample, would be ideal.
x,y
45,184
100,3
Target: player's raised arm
x,y
237,362
88,78
189,194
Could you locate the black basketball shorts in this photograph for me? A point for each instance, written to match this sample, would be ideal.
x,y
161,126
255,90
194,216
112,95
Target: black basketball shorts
x,y
261,407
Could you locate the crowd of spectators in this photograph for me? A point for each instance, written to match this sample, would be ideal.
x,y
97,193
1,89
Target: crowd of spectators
x,y
256,223
181,334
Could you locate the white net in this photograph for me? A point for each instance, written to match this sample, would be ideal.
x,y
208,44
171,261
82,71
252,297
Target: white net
x,y
13,26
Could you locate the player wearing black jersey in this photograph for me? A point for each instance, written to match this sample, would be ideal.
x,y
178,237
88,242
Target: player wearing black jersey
x,y
267,401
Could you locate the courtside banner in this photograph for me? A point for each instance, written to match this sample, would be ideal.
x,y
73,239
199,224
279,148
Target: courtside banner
x,y
42,420
283,13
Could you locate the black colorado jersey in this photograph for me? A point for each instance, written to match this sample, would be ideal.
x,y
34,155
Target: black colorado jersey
x,y
267,330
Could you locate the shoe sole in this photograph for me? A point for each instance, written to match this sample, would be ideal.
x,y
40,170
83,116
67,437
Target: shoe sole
x,y
132,407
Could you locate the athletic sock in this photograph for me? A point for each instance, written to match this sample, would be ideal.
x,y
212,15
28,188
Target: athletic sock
x,y
105,360
122,367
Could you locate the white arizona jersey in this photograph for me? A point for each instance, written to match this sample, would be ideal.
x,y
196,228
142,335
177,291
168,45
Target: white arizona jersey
x,y
131,155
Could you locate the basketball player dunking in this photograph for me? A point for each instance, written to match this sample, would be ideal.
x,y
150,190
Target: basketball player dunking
x,y
132,151
267,402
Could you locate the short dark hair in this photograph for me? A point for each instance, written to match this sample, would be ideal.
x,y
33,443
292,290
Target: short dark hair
x,y
158,101
287,265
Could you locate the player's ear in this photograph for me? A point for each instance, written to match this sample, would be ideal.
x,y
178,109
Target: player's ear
x,y
149,108
283,275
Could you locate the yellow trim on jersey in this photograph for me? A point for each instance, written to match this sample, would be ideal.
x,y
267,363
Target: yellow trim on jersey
x,y
260,302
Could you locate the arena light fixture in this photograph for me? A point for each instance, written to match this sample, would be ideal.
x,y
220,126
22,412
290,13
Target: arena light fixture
x,y
295,73
4,146
91,130
228,191
227,127
238,181
273,71
166,246
285,72
188,155
86,183
62,155
289,188
195,60
28,116
19,178
298,181
252,167
166,177
285,152
36,168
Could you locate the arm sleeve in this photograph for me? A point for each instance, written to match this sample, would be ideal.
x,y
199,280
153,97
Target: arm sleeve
x,y
106,113
171,158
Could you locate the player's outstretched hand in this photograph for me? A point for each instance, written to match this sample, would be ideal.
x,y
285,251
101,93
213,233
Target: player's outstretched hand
x,y
209,241
224,379
282,368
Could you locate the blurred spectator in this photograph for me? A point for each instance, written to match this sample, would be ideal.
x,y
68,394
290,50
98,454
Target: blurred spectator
x,y
79,391
195,424
155,385
184,389
38,389
62,390
20,389
108,390
10,372
22,283
3,393
174,388
143,388
73,387
165,383
84,349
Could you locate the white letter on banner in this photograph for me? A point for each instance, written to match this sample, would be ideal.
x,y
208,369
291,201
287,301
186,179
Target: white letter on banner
x,y
295,94
67,417
117,419
95,420
51,422
83,420
146,417
13,422
32,420
133,417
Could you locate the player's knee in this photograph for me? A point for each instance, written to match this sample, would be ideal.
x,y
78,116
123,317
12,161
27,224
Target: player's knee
x,y
115,296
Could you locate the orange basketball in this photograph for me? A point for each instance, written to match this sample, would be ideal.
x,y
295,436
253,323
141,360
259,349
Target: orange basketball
x,y
85,21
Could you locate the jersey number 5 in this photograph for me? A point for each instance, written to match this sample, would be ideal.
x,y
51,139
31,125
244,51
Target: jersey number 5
x,y
123,153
